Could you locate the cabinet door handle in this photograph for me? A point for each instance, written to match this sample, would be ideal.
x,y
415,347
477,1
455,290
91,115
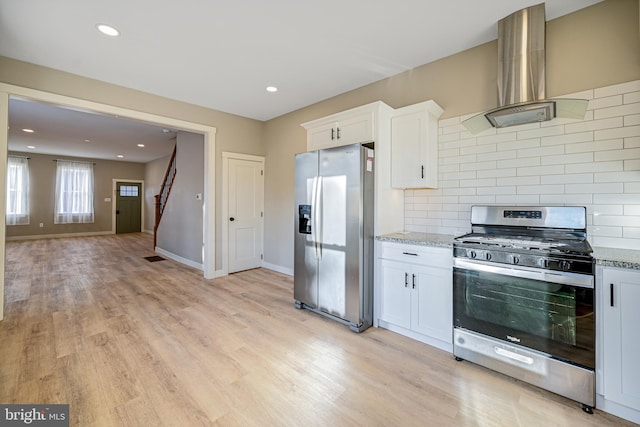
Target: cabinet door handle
x,y
406,279
414,281
338,133
611,293
422,174
409,253
332,131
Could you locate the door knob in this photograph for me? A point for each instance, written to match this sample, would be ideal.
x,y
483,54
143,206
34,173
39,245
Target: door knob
x,y
232,219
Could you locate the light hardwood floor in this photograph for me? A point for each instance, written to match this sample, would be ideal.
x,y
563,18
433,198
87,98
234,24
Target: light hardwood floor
x,y
127,342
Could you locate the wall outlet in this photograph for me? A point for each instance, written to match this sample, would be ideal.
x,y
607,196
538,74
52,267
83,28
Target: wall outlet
x,y
42,225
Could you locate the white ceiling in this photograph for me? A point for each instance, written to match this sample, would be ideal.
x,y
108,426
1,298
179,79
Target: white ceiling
x,y
77,133
223,54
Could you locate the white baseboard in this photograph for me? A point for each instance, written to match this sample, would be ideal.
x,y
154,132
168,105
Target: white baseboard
x,y
148,231
180,259
278,268
57,236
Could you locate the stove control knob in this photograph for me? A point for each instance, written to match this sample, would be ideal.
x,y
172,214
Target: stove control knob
x,y
565,265
515,259
544,263
471,254
487,256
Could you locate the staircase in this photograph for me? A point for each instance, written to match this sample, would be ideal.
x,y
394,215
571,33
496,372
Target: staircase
x,y
161,198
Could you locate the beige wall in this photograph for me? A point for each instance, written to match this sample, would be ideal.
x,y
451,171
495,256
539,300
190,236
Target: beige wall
x,y
234,133
42,174
154,172
594,47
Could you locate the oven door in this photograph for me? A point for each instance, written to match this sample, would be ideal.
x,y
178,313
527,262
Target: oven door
x,y
548,311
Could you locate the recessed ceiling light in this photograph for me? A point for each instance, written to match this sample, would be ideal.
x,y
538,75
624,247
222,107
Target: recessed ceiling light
x,y
272,89
31,147
28,130
141,145
108,30
120,156
87,140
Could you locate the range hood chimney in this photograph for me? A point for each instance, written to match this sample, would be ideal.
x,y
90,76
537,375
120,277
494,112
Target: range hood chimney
x,y
521,76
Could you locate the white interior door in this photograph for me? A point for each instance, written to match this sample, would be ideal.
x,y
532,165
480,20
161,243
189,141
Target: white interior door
x,y
245,213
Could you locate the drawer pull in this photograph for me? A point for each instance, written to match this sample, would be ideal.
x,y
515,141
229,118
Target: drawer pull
x,y
409,253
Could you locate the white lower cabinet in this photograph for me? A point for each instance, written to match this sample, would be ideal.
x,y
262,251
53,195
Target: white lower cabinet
x,y
415,292
619,303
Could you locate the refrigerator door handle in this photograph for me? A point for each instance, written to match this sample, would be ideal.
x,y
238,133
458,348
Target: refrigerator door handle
x,y
318,205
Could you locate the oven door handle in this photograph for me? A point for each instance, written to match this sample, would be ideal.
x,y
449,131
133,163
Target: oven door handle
x,y
563,278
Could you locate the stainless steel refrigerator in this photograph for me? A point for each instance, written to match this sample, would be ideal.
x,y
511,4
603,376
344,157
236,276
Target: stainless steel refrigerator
x,y
334,202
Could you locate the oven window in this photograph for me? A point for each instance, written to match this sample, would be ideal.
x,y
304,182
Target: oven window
x,y
552,318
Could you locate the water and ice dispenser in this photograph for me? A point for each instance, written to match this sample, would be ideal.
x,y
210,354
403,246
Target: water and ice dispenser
x,y
304,219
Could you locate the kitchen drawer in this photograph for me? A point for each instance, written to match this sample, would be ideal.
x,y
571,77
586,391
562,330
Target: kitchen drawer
x,y
417,254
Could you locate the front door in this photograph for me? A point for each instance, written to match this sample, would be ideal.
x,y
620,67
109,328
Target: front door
x,y
246,212
128,207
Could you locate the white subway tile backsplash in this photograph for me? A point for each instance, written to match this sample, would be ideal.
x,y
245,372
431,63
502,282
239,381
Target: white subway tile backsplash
x,y
610,144
619,199
497,138
481,191
595,167
568,138
631,97
620,221
593,162
541,151
541,189
564,159
613,242
621,110
452,121
621,132
496,173
632,187
625,154
632,232
632,165
519,199
630,176
621,88
541,132
519,180
576,178
485,182
606,231
593,125
605,102
478,166
566,199
478,200
632,120
541,170
631,210
519,163
596,210
610,188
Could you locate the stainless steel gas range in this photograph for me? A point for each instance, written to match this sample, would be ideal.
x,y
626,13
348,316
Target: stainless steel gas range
x,y
524,297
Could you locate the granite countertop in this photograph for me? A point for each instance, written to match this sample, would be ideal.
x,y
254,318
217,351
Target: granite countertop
x,y
608,257
423,239
614,257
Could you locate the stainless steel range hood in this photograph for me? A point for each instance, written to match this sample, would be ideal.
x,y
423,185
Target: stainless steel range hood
x,y
521,76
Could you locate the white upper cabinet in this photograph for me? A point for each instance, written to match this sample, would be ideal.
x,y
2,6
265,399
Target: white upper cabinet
x,y
414,146
349,127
